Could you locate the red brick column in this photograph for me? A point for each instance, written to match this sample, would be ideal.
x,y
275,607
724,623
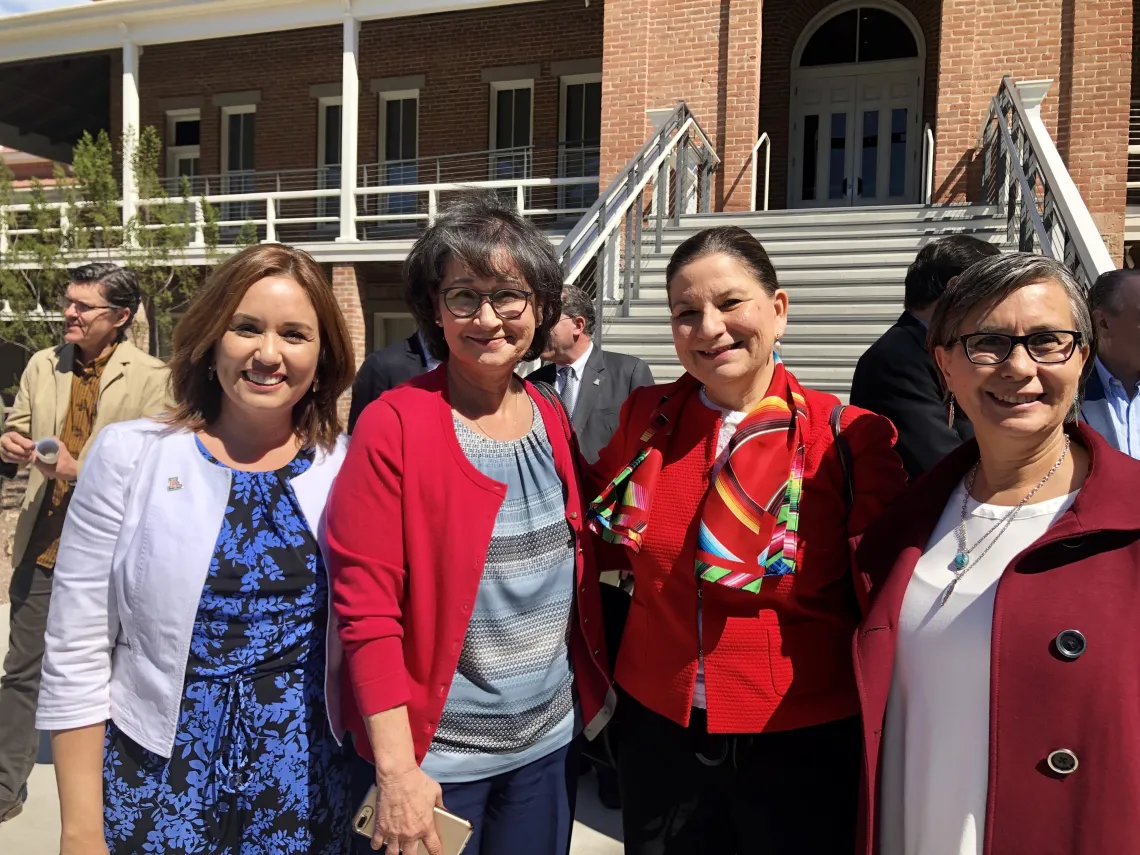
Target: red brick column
x,y
707,54
1084,46
1094,100
346,288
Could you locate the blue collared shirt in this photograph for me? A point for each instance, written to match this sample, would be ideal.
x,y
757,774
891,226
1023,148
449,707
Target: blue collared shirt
x,y
1112,410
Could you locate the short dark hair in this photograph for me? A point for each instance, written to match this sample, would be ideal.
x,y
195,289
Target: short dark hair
x,y
197,395
120,287
471,230
937,263
576,303
725,240
1105,292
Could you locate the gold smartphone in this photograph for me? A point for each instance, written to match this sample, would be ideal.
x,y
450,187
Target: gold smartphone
x,y
453,831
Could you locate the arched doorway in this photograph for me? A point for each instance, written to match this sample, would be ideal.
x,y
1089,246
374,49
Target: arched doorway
x,y
856,106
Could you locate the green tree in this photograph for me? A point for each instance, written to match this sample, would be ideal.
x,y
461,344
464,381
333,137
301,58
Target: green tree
x,y
79,220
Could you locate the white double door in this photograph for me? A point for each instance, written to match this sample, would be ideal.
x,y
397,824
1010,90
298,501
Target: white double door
x,y
856,139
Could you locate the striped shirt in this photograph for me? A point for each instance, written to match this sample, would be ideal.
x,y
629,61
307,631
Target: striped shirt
x,y
511,701
73,435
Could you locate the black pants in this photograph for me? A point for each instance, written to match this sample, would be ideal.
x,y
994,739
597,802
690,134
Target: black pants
x,y
20,686
789,793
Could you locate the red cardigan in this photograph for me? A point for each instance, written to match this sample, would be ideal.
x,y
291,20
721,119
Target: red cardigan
x,y
409,523
1082,574
776,660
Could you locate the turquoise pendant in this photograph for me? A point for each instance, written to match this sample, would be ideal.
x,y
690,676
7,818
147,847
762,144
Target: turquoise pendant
x,y
961,560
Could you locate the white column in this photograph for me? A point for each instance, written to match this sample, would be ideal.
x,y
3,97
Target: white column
x,y
130,126
349,121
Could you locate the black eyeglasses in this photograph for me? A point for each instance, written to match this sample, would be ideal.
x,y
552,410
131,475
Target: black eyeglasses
x,y
1049,347
507,303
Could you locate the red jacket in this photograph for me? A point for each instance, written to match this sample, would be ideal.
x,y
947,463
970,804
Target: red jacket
x,y
775,660
1082,574
409,523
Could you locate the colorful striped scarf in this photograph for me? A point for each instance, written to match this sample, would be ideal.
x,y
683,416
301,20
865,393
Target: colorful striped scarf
x,y
750,515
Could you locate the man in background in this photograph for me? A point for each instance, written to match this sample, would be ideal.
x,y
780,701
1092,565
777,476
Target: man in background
x,y
67,394
593,383
386,369
1111,406
897,377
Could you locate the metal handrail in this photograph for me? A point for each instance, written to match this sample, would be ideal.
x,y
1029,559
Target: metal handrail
x,y
764,140
1041,198
927,164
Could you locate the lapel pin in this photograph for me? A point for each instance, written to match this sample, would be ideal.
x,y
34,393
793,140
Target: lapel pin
x,y
597,381
173,484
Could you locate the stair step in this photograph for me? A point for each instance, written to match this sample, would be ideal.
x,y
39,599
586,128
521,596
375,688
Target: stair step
x,y
809,259
829,240
816,329
811,276
899,214
880,311
800,292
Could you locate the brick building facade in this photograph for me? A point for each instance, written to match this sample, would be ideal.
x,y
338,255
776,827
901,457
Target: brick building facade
x,y
744,67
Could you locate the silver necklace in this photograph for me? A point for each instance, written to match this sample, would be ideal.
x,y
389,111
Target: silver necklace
x,y
962,561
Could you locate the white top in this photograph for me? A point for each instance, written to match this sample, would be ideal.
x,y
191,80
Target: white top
x,y
136,548
729,423
936,737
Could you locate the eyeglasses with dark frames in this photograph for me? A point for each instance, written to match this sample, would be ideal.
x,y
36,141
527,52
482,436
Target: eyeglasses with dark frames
x,y
1047,347
464,302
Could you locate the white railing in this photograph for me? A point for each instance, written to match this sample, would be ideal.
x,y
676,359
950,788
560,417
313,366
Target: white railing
x,y
603,251
764,141
927,164
1023,172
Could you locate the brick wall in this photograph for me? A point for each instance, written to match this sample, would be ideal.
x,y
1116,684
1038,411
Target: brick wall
x,y
451,50
1084,46
346,288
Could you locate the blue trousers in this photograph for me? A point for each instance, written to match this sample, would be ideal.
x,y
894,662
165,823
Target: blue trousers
x,y
529,811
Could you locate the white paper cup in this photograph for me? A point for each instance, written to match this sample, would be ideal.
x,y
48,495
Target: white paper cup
x,y
48,450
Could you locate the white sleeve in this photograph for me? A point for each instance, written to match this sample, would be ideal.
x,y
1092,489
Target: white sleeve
x,y
83,620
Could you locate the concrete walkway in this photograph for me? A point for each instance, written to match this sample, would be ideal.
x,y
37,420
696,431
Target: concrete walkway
x,y
36,830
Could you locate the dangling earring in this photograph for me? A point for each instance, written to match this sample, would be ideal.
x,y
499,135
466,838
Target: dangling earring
x,y
1077,408
210,372
950,420
316,386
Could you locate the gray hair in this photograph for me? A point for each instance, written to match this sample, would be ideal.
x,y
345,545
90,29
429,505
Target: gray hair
x,y
120,287
991,280
576,303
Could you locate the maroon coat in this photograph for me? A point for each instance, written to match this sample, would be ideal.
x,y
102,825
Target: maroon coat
x,y
1082,574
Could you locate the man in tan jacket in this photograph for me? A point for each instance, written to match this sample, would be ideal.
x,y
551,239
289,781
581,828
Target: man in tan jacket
x,y
67,394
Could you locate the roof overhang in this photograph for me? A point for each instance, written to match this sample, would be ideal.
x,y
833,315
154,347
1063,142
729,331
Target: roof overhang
x,y
108,24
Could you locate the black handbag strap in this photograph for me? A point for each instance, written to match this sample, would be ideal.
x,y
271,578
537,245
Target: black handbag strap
x,y
845,461
554,399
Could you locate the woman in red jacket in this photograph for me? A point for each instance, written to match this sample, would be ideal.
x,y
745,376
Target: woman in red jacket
x,y
997,665
728,496
472,635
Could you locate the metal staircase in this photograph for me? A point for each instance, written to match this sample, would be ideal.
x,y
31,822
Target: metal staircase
x,y
843,270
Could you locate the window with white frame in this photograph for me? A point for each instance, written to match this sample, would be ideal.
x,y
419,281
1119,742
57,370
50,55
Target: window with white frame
x,y
238,135
184,149
329,154
512,128
579,137
399,147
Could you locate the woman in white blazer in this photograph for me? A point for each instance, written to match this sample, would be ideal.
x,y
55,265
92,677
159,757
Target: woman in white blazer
x,y
191,671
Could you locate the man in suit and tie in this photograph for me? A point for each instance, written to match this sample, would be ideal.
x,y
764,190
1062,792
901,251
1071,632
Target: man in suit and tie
x,y
386,369
67,394
897,378
593,383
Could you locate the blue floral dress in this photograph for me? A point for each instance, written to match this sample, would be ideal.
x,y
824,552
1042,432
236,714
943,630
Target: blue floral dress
x,y
255,767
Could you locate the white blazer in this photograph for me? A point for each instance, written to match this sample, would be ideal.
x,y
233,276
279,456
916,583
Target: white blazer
x,y
136,548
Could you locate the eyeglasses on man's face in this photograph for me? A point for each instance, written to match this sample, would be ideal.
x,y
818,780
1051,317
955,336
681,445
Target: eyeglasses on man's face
x,y
464,302
1048,347
81,308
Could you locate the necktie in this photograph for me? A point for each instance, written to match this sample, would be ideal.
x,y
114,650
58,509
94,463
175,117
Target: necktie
x,y
569,392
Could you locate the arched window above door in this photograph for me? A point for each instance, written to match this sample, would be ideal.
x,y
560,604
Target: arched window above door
x,y
863,34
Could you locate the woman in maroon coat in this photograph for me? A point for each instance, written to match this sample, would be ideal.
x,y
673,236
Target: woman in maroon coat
x,y
997,663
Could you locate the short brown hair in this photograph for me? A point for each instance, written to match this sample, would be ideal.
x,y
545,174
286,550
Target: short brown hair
x,y
197,395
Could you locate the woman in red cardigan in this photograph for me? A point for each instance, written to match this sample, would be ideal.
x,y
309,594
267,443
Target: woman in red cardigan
x,y
724,492
472,633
